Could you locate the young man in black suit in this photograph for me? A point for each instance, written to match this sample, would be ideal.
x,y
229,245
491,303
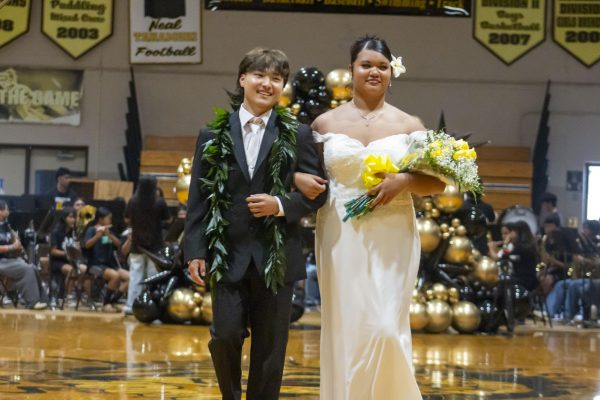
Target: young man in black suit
x,y
245,162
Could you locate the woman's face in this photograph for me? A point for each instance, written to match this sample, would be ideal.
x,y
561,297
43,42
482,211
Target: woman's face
x,y
371,72
70,220
78,205
513,236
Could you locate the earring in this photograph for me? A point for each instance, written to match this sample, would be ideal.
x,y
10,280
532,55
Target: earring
x,y
390,83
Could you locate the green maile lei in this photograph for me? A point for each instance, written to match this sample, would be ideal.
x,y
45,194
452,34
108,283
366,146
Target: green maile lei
x,y
216,154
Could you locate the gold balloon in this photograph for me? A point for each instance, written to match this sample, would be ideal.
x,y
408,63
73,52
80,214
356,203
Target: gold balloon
x,y
455,223
198,298
182,187
467,317
296,108
181,304
475,256
207,314
429,294
428,206
339,82
459,250
453,295
435,213
461,230
440,316
334,104
418,297
450,200
439,292
418,316
444,228
429,233
286,96
197,315
185,167
486,271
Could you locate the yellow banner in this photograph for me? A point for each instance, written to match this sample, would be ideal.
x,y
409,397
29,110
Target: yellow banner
x,y
509,28
577,28
77,26
14,19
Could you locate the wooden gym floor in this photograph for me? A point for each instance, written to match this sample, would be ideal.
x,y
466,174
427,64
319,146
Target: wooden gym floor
x,y
79,355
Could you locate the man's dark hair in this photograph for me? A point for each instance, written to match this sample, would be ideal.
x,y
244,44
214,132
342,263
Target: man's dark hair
x,y
548,198
61,172
368,42
259,59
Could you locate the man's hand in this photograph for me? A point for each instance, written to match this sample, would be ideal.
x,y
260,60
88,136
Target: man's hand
x,y
262,205
17,245
197,269
311,186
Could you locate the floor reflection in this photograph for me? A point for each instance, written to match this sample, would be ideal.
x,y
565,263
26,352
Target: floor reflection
x,y
91,356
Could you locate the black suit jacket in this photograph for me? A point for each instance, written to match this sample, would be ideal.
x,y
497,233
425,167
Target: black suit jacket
x,y
246,239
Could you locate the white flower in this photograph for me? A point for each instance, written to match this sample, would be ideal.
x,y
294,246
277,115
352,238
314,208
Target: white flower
x,y
397,67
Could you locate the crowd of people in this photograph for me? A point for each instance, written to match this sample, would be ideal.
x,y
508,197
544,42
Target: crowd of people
x,y
89,262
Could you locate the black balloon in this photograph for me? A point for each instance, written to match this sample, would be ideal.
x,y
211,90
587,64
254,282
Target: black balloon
x,y
522,302
312,93
307,78
314,108
303,117
475,222
467,293
491,317
145,308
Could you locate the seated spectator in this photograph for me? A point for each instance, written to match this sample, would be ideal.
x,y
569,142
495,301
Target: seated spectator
x,y
101,246
62,193
24,277
554,254
63,236
548,208
520,249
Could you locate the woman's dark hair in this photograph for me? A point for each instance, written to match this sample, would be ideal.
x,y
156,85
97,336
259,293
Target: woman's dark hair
x,y
3,205
524,236
144,216
61,222
368,42
591,224
259,59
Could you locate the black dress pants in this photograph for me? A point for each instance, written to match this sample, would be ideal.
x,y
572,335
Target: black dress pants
x,y
234,305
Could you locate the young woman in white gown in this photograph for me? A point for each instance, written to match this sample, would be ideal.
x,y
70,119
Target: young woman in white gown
x,y
367,267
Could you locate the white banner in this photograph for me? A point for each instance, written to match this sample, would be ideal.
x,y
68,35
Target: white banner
x,y
165,32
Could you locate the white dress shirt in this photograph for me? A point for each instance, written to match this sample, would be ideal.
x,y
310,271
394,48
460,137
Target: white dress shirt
x,y
253,134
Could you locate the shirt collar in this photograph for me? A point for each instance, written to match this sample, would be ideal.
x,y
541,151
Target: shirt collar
x,y
246,116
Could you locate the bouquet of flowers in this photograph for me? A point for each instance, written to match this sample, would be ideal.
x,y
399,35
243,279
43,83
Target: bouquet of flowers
x,y
438,155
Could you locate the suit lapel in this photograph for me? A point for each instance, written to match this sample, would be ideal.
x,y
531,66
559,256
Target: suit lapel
x,y
271,133
238,143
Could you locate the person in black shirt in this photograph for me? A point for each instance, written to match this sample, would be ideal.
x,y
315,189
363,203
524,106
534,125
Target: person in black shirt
x,y
62,193
101,246
23,276
519,248
62,238
145,213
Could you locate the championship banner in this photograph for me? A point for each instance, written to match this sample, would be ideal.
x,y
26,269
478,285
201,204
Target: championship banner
x,y
441,8
577,28
509,28
164,32
42,96
14,19
77,26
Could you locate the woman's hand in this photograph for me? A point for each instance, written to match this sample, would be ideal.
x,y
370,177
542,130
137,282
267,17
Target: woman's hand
x,y
392,185
311,186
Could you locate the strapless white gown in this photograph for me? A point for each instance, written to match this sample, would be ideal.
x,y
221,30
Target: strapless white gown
x,y
367,269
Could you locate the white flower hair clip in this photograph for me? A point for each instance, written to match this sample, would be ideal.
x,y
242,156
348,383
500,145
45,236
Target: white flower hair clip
x,y
397,67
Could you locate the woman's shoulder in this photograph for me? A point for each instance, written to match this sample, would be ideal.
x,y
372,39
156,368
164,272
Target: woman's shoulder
x,y
410,122
326,122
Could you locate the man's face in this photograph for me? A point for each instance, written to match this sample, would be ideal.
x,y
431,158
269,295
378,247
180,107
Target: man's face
x,y
262,89
63,180
547,206
4,213
548,228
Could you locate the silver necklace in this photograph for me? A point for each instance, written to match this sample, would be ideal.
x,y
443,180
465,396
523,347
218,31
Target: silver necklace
x,y
368,117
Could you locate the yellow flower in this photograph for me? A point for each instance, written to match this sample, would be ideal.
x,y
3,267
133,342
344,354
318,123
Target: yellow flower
x,y
377,165
470,153
437,153
461,145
